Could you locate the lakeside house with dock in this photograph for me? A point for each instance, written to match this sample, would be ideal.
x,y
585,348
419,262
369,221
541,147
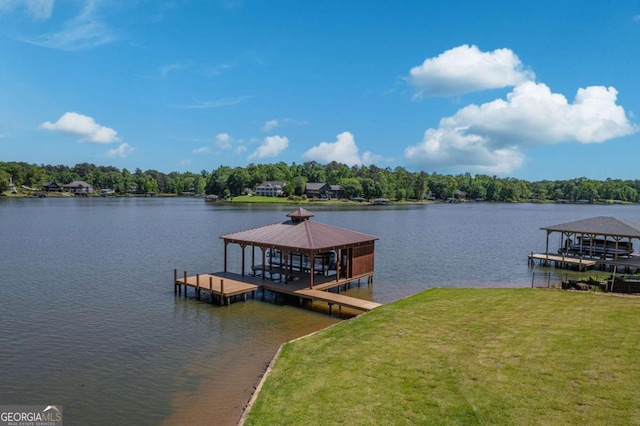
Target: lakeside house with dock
x,y
298,257
600,241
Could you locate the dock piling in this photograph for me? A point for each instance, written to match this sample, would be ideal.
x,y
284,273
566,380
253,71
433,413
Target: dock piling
x,y
175,281
185,283
197,286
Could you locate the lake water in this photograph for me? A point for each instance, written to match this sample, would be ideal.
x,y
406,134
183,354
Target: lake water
x,y
88,318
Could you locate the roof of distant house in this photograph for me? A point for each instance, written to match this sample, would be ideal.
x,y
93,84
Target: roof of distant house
x,y
315,186
77,183
271,183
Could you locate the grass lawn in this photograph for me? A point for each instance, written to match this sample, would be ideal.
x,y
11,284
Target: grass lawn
x,y
465,356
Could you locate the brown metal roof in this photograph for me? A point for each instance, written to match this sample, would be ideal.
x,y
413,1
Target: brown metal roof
x,y
302,235
300,214
601,225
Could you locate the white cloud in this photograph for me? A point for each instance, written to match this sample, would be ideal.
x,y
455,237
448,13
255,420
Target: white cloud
x,y
203,150
85,31
371,158
465,69
343,150
636,18
39,10
272,124
270,147
166,69
83,126
491,137
445,147
122,151
224,141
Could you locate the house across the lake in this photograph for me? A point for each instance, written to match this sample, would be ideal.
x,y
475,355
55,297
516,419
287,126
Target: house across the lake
x,y
271,189
317,190
52,187
79,188
324,190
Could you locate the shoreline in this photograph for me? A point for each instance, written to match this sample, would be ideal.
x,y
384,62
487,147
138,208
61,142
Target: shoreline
x,y
322,203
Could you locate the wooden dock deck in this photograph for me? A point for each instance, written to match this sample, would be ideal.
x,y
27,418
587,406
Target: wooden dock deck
x,y
219,285
338,299
546,259
224,285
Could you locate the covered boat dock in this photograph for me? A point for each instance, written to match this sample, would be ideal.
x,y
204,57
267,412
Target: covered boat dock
x,y
297,257
599,241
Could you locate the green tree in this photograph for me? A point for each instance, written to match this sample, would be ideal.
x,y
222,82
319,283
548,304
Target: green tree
x,y
237,181
314,172
297,186
4,181
352,187
218,180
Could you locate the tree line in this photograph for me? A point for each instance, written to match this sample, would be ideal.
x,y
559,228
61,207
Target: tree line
x,y
358,181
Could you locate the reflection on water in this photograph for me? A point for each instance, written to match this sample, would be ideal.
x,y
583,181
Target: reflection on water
x,y
89,320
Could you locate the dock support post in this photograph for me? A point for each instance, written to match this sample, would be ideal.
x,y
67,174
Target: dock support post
x,y
197,286
330,305
221,292
211,287
175,281
185,283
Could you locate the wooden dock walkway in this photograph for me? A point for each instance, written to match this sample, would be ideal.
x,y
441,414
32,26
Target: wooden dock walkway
x,y
338,299
216,284
224,285
546,259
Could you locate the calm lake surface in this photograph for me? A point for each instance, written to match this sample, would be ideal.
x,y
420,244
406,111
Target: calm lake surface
x,y
88,318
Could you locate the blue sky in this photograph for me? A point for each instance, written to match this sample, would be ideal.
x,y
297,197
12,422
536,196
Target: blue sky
x,y
533,90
